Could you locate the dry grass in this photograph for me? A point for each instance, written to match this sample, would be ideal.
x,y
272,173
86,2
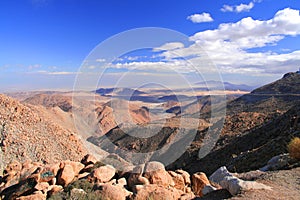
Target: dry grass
x,y
294,148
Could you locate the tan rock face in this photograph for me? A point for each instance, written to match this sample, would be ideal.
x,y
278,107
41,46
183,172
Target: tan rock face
x,y
66,176
199,181
103,174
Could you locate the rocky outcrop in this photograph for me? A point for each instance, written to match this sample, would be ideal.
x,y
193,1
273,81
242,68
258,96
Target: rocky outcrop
x,y
92,179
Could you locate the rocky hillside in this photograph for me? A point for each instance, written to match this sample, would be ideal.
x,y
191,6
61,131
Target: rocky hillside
x,y
257,125
25,134
92,179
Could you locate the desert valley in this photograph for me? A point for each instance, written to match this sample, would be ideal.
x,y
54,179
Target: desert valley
x,y
44,134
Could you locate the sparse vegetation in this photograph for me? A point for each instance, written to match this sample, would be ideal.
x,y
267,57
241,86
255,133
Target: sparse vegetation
x,y
294,148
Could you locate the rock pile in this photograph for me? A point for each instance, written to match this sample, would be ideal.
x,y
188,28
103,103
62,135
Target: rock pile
x,y
34,180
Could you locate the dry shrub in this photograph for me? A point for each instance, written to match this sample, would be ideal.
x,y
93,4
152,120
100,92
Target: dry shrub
x,y
294,148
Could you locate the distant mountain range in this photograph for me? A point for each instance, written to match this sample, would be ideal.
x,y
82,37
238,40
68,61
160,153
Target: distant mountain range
x,y
211,85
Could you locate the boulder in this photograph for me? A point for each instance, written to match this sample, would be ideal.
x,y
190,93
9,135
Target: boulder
x,y
277,162
43,186
233,184
35,196
66,175
103,174
199,181
185,175
136,178
53,189
77,166
208,189
155,172
114,192
178,180
88,159
157,192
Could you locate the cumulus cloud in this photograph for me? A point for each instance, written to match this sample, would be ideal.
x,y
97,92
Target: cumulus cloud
x,y
238,8
199,18
228,45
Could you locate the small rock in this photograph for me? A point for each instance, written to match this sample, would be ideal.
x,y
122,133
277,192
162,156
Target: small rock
x,y
104,173
88,159
185,175
66,176
155,172
114,192
43,186
157,192
36,196
233,184
199,181
178,180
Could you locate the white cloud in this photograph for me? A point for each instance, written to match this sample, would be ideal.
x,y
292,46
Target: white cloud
x,y
100,60
227,8
199,18
228,45
169,46
244,7
56,73
238,8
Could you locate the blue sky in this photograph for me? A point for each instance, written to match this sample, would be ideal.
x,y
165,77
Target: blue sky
x,y
44,42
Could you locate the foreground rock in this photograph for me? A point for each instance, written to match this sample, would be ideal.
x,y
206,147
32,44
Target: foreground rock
x,y
233,184
90,179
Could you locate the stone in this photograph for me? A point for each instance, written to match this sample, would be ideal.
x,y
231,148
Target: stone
x,y
122,182
13,167
157,192
208,189
88,159
199,181
103,174
83,175
187,196
36,196
233,184
53,189
155,172
185,175
43,186
136,178
54,168
178,180
77,166
66,176
277,162
114,192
